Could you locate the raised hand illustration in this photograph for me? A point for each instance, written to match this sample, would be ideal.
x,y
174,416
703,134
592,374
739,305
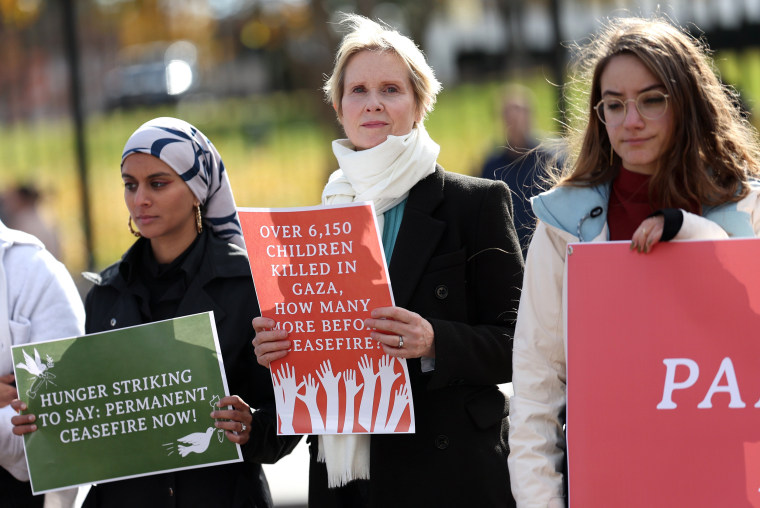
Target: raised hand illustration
x,y
400,401
387,377
197,442
331,384
310,399
368,395
285,393
349,379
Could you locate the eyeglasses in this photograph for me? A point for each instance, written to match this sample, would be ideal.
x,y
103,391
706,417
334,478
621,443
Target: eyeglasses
x,y
651,105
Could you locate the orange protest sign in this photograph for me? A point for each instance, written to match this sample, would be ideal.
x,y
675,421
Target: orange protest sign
x,y
319,272
663,400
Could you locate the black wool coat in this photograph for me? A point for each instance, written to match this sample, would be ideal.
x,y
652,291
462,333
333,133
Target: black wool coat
x,y
223,284
457,262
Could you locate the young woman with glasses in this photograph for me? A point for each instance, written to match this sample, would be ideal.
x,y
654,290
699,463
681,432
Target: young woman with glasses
x,y
662,153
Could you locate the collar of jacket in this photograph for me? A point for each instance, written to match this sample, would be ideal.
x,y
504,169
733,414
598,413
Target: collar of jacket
x,y
582,212
221,260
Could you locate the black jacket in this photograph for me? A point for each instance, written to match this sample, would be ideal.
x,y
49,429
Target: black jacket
x,y
457,262
223,284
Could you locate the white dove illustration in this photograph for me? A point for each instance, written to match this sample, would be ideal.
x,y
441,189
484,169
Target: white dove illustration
x,y
34,367
196,442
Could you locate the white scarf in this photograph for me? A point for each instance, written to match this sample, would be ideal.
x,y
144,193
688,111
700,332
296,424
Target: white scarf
x,y
384,175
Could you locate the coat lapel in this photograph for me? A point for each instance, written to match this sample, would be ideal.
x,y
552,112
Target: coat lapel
x,y
417,238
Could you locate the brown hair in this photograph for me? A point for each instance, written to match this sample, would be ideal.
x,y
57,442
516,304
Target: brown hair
x,y
367,35
713,148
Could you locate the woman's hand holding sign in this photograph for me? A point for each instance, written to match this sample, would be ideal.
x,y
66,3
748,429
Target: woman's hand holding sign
x,y
269,344
7,390
236,422
403,333
22,424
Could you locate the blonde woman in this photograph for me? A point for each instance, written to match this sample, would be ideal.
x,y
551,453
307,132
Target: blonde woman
x,y
455,267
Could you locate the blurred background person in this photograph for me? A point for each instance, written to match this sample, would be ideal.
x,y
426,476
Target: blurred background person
x,y
520,162
455,267
20,209
38,301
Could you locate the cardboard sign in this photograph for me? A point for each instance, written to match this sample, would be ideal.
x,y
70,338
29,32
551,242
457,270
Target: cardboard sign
x,y
663,401
319,272
123,403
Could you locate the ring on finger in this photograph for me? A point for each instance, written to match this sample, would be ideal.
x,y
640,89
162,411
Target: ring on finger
x,y
400,341
242,427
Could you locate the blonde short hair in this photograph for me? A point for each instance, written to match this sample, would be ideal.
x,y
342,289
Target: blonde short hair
x,y
367,35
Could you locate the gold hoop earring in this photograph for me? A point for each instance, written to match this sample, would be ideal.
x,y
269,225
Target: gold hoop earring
x,y
611,153
198,219
131,229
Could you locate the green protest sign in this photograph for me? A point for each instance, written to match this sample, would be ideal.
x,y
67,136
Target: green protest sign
x,y
123,403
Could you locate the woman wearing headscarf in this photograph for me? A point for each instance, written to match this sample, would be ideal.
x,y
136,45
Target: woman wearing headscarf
x,y
455,266
188,258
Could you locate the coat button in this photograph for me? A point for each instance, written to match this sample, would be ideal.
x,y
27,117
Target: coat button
x,y
171,491
113,322
441,292
442,442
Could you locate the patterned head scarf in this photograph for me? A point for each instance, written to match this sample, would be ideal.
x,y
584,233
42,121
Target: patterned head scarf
x,y
191,154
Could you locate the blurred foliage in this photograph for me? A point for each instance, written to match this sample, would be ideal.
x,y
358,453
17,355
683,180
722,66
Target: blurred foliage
x,y
276,152
276,149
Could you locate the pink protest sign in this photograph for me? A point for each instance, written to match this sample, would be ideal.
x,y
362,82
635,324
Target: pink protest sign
x,y
319,272
663,401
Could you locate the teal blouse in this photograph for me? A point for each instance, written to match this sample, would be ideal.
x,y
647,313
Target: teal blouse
x,y
390,230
